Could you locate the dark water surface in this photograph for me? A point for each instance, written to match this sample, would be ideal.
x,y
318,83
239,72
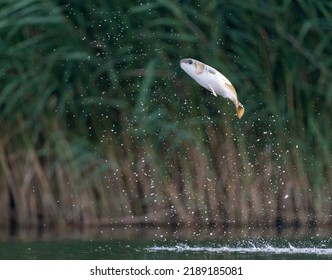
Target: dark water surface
x,y
160,243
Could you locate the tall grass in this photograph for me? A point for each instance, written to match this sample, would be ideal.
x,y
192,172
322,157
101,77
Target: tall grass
x,y
100,126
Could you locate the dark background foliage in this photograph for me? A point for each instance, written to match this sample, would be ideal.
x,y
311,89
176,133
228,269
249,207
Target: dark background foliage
x,y
99,124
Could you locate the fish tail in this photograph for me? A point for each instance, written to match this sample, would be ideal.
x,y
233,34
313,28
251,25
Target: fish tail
x,y
239,110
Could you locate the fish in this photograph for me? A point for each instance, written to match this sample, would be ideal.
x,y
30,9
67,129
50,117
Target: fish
x,y
212,80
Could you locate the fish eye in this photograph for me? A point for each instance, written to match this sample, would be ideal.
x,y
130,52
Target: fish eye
x,y
190,61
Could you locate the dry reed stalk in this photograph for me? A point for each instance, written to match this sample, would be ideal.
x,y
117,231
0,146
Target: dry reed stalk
x,y
120,201
197,174
142,173
87,209
4,205
176,191
232,180
47,202
212,198
218,175
126,160
5,181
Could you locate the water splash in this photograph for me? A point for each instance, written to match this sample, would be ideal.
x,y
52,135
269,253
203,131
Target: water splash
x,y
253,248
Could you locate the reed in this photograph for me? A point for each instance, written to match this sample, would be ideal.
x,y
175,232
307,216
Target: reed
x,y
100,126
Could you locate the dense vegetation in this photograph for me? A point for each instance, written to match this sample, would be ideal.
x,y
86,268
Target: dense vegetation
x,y
99,124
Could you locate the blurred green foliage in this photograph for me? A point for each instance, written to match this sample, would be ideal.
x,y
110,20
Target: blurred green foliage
x,y
94,88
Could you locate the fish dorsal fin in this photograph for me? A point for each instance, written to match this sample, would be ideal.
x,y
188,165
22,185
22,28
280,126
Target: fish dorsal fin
x,y
212,90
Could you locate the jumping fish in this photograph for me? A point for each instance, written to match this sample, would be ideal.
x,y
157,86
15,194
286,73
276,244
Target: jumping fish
x,y
212,80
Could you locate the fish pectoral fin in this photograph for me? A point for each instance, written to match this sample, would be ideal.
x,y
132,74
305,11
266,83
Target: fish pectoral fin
x,y
212,91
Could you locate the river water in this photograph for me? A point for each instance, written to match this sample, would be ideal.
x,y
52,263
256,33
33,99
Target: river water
x,y
163,243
